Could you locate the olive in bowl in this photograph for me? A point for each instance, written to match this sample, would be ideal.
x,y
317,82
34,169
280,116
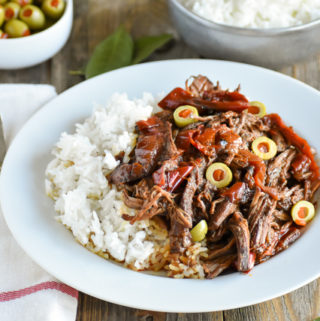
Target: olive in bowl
x,y
15,28
11,10
53,8
33,17
20,52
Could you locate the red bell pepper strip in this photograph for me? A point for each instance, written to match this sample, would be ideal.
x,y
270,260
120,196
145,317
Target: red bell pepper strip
x,y
179,97
204,142
235,192
171,180
175,178
259,172
201,138
292,137
183,140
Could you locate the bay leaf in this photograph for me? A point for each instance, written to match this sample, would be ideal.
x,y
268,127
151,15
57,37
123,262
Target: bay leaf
x,y
114,52
145,46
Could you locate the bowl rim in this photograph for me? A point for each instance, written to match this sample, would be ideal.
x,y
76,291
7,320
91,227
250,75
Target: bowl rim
x,y
69,4
243,30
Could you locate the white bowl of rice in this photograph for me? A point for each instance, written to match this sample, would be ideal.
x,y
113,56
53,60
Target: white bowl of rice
x,y
266,33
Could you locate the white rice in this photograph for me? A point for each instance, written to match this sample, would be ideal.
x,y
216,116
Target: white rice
x,y
76,180
256,13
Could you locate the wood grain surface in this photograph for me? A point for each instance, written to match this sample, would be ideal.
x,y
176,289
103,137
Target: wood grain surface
x,y
93,21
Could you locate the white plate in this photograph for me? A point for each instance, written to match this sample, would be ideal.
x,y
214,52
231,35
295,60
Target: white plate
x,y
29,212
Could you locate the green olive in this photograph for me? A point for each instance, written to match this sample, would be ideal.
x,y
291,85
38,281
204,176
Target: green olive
x,y
33,17
302,212
184,115
11,10
1,15
264,147
22,2
219,174
3,35
53,8
16,28
198,233
257,108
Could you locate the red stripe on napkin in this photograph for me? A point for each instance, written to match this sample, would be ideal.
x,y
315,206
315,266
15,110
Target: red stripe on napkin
x,y
12,295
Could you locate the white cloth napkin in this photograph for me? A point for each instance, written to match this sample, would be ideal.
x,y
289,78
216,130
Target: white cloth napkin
x,y
27,292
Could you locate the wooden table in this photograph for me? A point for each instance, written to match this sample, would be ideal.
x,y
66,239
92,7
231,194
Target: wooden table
x,y
93,21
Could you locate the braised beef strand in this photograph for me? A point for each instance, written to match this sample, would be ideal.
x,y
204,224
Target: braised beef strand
x,y
154,143
239,227
249,220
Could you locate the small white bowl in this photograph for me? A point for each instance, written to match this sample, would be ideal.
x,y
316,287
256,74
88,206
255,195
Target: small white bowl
x,y
28,51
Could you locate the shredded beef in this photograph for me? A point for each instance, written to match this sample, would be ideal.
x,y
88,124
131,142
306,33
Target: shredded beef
x,y
180,238
132,202
239,227
222,211
223,250
288,238
217,266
